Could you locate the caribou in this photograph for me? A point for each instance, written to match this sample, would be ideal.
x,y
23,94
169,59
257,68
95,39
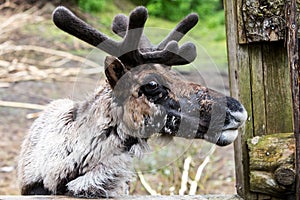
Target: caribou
x,y
86,148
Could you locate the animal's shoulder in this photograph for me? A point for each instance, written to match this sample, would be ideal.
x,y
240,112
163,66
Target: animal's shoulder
x,y
57,113
54,119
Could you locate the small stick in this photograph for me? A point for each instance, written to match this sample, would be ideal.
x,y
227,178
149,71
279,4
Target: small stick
x,y
194,183
185,175
145,184
33,115
21,105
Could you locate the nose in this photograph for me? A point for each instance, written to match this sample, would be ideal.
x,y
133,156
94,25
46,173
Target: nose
x,y
234,105
236,114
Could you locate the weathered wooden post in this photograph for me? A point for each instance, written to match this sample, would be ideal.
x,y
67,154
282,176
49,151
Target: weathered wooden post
x,y
260,78
293,55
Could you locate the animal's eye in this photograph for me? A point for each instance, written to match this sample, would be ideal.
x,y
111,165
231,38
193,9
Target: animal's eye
x,y
151,89
151,86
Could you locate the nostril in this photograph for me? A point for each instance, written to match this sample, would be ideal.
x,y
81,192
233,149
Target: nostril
x,y
239,117
228,119
236,110
234,105
235,119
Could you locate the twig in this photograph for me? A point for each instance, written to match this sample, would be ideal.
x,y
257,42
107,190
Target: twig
x,y
12,48
23,72
194,183
4,85
21,105
185,175
145,184
172,189
18,20
33,115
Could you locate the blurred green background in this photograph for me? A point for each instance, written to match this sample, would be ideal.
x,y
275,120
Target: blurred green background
x,y
210,31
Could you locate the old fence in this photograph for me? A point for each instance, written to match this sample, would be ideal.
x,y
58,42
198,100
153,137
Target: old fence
x,y
263,59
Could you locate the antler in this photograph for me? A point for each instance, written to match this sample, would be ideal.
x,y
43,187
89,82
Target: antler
x,y
135,49
187,52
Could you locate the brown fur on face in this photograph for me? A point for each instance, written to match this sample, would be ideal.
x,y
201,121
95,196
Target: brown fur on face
x,y
143,116
137,108
186,110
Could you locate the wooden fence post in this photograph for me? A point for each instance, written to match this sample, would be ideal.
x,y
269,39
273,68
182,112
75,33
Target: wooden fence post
x,y
260,79
293,56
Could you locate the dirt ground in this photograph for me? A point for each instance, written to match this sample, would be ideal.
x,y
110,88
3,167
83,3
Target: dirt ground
x,y
25,77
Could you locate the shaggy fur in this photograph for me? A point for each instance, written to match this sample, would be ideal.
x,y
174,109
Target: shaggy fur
x,y
77,147
85,149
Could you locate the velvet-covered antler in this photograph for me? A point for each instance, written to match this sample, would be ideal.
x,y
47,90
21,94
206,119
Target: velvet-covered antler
x,y
135,48
186,53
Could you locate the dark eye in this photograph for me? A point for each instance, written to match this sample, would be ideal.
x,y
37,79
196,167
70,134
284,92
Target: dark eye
x,y
152,90
151,86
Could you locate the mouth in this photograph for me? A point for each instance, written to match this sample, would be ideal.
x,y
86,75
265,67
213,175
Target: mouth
x,y
192,128
227,137
218,125
221,138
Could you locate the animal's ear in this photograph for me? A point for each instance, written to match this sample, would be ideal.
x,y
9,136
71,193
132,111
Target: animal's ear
x,y
114,70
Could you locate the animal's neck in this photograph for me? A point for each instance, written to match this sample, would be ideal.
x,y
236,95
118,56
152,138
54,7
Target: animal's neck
x,y
102,111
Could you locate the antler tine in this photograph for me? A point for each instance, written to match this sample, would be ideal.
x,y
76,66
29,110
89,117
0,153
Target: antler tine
x,y
180,30
171,54
129,47
187,52
119,26
68,22
137,20
132,56
184,55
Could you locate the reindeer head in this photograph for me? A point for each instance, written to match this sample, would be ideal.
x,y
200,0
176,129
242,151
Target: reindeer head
x,y
153,98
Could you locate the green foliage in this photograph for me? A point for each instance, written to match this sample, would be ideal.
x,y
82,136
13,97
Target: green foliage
x,y
215,20
175,10
169,9
209,32
208,8
91,5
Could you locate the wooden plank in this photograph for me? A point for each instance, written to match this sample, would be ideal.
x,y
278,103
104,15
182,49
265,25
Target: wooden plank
x,y
231,28
245,96
294,62
259,79
239,76
150,197
277,89
257,89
